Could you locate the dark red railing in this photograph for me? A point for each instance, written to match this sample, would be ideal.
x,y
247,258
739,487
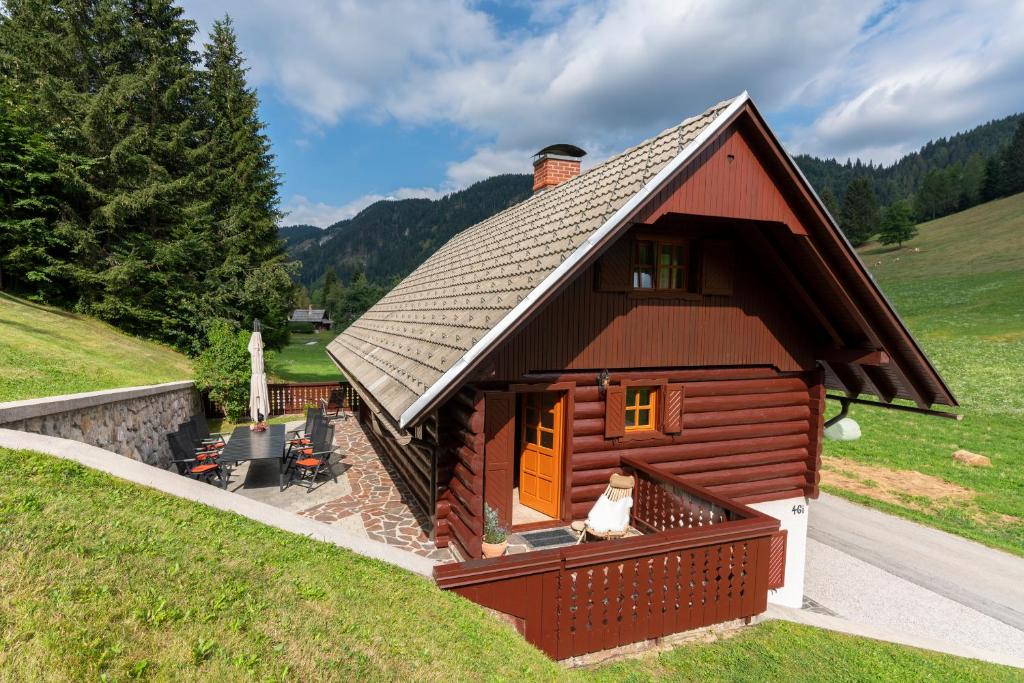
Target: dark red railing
x,y
286,399
703,562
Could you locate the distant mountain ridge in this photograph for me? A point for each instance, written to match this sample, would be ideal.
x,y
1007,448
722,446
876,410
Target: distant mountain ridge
x,y
389,238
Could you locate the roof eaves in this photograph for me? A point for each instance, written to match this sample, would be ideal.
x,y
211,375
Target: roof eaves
x,y
483,345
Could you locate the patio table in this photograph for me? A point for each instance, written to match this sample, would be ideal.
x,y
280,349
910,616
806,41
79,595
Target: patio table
x,y
245,445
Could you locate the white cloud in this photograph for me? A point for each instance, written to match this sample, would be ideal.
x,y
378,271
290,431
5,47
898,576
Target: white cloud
x,y
299,210
874,78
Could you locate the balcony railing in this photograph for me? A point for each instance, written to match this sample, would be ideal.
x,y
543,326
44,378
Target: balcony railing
x,y
702,560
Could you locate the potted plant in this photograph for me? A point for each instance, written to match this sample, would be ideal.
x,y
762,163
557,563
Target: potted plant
x,y
495,535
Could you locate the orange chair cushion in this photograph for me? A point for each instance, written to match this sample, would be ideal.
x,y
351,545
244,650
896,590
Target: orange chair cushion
x,y
299,442
206,456
199,469
308,462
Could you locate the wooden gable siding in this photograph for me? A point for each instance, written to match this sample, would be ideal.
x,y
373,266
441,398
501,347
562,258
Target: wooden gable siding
x,y
726,180
583,328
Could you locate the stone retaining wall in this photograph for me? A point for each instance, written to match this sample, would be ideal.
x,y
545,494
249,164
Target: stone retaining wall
x,y
133,422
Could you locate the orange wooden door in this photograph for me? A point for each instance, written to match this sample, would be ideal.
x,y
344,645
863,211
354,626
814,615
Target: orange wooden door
x,y
540,469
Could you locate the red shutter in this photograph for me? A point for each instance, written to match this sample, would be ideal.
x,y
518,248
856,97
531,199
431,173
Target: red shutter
x,y
499,452
777,559
614,412
615,267
717,270
672,419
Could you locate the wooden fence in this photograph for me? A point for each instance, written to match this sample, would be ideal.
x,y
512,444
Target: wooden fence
x,y
286,399
704,562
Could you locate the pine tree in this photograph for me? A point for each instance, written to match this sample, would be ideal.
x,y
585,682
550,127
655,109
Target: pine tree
x,y
860,212
991,186
897,224
1012,180
830,202
241,185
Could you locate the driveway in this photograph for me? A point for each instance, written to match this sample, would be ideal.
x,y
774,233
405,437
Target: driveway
x,y
872,568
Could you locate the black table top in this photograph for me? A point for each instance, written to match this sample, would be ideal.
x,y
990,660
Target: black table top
x,y
246,444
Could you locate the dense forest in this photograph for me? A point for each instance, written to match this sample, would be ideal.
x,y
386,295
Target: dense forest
x,y
136,180
369,252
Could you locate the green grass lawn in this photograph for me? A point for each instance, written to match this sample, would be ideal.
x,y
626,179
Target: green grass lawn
x,y
962,295
45,351
101,579
305,360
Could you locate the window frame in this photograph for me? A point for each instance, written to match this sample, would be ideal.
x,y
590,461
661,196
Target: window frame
x,y
651,406
685,264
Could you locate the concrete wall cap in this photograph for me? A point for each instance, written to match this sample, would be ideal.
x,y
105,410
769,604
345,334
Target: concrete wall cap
x,y
14,411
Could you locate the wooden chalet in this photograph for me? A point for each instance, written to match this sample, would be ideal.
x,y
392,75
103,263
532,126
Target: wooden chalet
x,y
678,313
317,317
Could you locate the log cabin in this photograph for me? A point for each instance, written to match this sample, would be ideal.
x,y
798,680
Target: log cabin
x,y
677,312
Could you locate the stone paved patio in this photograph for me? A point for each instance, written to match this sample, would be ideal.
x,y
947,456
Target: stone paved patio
x,y
377,504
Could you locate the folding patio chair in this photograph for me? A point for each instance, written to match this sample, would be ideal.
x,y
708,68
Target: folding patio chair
x,y
192,464
199,445
315,459
202,430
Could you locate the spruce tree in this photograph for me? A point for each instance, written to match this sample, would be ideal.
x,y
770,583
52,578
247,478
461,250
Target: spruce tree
x,y
860,212
897,224
251,279
830,202
991,186
1012,180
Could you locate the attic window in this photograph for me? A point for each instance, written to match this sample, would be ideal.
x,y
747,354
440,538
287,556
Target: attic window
x,y
659,264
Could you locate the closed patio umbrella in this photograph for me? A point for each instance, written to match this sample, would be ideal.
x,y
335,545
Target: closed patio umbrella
x,y
259,395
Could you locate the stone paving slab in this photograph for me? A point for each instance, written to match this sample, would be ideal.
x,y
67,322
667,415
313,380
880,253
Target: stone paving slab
x,y
378,500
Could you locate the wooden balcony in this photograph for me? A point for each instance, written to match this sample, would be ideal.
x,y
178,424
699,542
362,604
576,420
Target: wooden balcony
x,y
702,560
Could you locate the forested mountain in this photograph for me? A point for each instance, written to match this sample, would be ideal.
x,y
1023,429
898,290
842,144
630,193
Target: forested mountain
x,y
136,182
388,239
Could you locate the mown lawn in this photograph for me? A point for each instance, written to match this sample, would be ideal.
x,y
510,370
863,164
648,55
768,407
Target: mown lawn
x,y
305,360
962,295
105,580
45,351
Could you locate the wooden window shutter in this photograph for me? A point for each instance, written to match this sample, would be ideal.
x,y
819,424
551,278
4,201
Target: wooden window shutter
x,y
718,267
615,412
777,559
672,417
615,267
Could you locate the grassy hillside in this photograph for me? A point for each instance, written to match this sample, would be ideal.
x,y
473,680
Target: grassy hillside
x,y
305,359
959,286
105,580
45,351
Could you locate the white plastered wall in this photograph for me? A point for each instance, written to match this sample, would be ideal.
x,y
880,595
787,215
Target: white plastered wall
x,y
792,514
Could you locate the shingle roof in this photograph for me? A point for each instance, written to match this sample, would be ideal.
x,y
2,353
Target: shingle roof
x,y
404,344
308,315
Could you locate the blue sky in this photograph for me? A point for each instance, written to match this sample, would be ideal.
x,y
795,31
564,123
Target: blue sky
x,y
365,100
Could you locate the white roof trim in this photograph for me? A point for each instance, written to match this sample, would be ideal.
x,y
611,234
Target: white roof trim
x,y
554,278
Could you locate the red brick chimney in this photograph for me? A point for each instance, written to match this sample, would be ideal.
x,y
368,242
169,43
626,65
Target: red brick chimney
x,y
555,164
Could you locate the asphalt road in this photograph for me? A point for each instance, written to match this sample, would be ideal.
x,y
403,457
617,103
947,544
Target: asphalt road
x,y
982,579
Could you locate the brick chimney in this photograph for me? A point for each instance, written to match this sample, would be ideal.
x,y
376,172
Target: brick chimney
x,y
555,164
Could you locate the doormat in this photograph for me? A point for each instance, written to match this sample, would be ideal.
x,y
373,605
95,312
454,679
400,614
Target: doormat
x,y
549,537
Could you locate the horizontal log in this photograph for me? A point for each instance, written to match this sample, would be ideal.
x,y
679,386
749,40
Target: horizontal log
x,y
771,495
594,461
731,461
589,378
707,404
763,486
442,509
584,493
687,451
588,395
467,418
745,386
588,409
694,420
465,399
747,474
468,500
469,543
468,480
585,477
588,427
580,510
465,518
471,460
590,444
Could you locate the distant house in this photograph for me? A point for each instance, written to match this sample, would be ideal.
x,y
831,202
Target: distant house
x,y
676,313
315,316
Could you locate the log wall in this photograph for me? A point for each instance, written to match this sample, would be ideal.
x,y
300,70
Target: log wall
x,y
460,474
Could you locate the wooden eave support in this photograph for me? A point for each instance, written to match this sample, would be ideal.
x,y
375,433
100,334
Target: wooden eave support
x,y
896,406
858,356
